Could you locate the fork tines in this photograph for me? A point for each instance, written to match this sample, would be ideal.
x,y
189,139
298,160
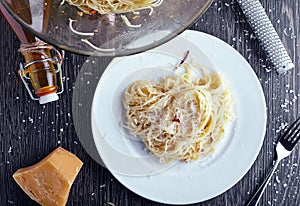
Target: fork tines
x,y
291,135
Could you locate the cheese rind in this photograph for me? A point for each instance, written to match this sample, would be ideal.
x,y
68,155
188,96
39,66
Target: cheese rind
x,y
49,181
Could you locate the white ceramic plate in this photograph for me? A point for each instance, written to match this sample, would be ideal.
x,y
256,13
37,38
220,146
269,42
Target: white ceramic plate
x,y
180,183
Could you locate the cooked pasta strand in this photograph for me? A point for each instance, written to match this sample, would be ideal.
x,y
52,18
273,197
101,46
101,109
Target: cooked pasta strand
x,y
114,6
180,117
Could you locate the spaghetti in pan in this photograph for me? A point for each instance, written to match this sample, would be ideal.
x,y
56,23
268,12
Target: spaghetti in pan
x,y
113,6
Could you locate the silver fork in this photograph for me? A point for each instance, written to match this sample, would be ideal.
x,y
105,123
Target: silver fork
x,y
284,147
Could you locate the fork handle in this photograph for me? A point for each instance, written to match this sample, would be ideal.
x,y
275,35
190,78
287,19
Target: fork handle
x,y
256,197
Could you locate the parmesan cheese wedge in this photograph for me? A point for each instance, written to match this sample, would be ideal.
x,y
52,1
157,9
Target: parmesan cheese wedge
x,y
48,182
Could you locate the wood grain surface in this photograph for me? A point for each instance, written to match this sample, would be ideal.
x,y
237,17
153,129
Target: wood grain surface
x,y
29,131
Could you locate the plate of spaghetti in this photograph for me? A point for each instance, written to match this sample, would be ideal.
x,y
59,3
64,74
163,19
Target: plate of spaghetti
x,y
166,120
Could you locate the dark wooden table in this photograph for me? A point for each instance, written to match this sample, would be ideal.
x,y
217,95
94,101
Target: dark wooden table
x,y
29,131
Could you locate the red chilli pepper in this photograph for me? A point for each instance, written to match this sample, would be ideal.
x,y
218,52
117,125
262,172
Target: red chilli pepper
x,y
176,119
184,57
93,12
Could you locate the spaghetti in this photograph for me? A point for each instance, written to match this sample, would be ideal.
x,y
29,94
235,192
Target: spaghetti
x,y
180,117
113,6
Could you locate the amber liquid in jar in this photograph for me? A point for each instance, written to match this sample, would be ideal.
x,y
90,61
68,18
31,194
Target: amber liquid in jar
x,y
42,74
